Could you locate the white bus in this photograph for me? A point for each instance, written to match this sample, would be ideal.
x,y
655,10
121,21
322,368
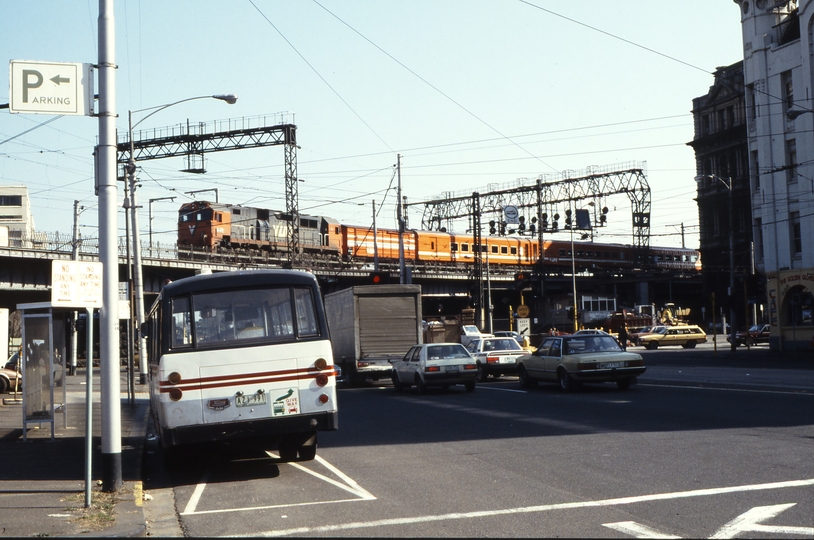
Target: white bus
x,y
241,356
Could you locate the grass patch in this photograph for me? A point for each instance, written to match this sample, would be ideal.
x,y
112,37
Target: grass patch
x,y
102,511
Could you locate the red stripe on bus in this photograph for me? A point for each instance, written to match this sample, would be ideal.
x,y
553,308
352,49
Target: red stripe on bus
x,y
220,378
191,386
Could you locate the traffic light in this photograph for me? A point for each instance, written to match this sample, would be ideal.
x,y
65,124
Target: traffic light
x,y
756,286
492,229
521,280
378,278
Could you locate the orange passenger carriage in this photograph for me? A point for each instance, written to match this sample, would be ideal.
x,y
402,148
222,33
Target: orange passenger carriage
x,y
214,226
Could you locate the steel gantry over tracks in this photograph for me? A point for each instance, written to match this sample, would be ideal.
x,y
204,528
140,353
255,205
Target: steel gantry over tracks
x,y
545,195
193,140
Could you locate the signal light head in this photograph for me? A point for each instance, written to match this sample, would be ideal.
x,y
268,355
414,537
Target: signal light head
x,y
377,278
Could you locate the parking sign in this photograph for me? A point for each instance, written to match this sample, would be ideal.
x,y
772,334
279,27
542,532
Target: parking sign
x,y
50,88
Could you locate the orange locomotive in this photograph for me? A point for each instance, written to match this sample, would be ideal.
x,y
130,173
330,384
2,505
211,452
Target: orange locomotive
x,y
216,226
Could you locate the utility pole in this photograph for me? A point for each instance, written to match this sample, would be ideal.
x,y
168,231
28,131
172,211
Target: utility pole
x,y
400,219
137,281
110,384
74,257
733,344
375,241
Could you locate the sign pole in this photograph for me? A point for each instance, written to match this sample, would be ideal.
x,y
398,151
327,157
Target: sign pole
x,y
89,410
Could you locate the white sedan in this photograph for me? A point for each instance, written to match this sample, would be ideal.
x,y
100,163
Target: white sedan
x,y
495,356
435,364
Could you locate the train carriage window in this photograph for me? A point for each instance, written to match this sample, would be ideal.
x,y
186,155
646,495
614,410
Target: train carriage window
x,y
562,253
464,247
236,211
514,250
504,250
454,247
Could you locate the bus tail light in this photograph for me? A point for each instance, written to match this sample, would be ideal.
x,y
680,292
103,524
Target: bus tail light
x,y
174,377
322,379
175,394
323,398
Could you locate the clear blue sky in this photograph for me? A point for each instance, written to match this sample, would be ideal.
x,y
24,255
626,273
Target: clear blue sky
x,y
472,93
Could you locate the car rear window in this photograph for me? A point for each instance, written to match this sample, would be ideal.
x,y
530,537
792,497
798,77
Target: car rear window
x,y
506,344
437,352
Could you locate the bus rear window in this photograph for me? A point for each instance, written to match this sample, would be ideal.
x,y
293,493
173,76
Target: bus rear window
x,y
256,315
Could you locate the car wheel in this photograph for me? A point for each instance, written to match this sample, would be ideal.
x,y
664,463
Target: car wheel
x,y
566,382
652,345
470,386
482,375
623,384
691,345
422,388
4,384
751,342
525,380
396,382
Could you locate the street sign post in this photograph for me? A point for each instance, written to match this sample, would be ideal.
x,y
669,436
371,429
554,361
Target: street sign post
x,y
50,88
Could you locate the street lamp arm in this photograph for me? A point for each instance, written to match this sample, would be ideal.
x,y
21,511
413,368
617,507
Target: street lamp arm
x,y
791,114
231,99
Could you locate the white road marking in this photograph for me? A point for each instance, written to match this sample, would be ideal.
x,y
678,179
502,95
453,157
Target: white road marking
x,y
717,388
350,485
750,521
196,497
535,509
501,389
637,530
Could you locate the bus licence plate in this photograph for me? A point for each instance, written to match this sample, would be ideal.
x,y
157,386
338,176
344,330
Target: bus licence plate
x,y
250,400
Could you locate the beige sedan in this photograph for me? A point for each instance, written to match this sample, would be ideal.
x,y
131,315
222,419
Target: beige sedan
x,y
573,360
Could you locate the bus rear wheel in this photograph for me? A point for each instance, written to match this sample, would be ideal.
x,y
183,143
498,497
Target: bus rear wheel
x,y
298,447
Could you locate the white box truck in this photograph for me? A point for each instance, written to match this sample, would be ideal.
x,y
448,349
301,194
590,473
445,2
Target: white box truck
x,y
372,324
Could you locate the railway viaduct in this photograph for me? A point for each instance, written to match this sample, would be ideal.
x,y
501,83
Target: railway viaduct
x,y
25,277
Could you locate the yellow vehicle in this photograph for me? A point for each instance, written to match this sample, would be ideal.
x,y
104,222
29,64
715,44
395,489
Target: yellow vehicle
x,y
686,336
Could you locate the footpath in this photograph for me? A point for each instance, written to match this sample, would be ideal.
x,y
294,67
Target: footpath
x,y
42,481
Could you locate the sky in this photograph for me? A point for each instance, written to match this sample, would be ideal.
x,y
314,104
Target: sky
x,y
473,95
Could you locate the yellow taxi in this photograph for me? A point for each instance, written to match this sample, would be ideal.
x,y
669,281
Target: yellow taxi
x,y
687,336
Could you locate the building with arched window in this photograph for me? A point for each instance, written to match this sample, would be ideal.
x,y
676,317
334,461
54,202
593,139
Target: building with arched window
x,y
778,67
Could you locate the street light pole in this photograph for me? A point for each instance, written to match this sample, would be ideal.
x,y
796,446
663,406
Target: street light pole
x,y
131,172
732,328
